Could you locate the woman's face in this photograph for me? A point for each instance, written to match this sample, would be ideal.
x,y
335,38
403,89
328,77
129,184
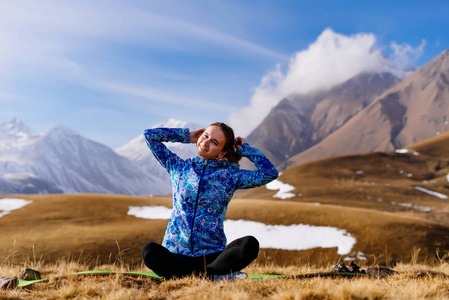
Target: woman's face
x,y
211,143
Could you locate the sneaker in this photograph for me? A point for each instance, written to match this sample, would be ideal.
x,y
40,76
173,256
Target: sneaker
x,y
231,276
353,268
7,283
340,268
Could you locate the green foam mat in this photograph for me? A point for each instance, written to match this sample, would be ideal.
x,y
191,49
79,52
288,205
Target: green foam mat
x,y
153,276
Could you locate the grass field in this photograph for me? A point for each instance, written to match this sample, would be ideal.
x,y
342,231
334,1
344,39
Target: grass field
x,y
98,229
413,281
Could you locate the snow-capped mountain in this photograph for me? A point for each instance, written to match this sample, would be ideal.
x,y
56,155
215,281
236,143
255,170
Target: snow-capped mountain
x,y
15,138
63,161
137,151
15,174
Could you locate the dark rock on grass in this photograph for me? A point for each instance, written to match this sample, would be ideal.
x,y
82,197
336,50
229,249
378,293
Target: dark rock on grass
x,y
380,271
30,274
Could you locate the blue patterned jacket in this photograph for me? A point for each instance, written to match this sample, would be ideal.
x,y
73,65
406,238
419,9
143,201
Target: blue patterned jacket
x,y
202,190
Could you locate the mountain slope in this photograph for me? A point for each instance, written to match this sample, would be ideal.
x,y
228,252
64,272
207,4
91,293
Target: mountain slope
x,y
412,110
301,121
63,161
15,175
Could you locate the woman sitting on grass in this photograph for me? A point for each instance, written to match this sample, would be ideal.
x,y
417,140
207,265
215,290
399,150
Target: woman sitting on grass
x,y
194,242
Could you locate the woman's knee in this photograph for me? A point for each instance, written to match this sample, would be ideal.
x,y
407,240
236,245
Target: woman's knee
x,y
252,245
253,241
150,249
248,246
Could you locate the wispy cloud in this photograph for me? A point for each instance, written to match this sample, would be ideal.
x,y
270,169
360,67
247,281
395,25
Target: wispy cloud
x,y
45,31
78,43
153,94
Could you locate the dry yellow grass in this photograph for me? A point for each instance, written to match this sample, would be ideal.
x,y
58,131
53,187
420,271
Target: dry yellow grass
x,y
68,226
414,281
64,234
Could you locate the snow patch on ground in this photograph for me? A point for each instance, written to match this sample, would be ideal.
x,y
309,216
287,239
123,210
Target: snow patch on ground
x,y
292,237
436,194
284,189
405,151
150,212
417,207
9,204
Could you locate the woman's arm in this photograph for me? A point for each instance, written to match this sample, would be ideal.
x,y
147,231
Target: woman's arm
x,y
265,172
154,138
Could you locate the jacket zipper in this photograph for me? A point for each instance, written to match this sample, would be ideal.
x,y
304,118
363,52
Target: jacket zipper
x,y
196,205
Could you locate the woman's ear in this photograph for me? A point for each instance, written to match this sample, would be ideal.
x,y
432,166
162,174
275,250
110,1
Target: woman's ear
x,y
222,154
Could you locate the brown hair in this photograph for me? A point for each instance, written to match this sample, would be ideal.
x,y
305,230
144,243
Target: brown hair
x,y
230,147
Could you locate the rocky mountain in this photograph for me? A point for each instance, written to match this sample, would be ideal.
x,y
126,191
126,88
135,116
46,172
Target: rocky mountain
x,y
63,161
299,122
412,110
137,151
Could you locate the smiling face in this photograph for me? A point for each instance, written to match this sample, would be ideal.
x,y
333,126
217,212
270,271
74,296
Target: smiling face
x,y
211,143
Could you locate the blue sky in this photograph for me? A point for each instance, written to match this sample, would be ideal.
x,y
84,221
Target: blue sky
x,y
109,69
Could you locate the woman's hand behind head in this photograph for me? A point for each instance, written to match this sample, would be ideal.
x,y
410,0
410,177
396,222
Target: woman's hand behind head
x,y
239,141
195,135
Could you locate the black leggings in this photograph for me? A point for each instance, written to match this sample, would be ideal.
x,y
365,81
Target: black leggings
x,y
236,256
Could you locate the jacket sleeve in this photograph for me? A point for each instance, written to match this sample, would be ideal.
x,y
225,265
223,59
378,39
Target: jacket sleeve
x,y
265,172
154,138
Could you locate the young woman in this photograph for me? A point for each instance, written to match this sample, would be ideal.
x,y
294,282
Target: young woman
x,y
194,242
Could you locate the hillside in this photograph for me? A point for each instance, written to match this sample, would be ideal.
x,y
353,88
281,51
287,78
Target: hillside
x,y
401,180
410,182
98,229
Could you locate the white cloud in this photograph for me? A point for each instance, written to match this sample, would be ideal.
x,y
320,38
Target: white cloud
x,y
332,59
405,55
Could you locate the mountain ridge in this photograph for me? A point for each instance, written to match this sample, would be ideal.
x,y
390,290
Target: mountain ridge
x,y
61,160
300,121
413,109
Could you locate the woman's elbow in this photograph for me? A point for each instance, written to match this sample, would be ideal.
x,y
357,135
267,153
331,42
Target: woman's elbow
x,y
272,175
